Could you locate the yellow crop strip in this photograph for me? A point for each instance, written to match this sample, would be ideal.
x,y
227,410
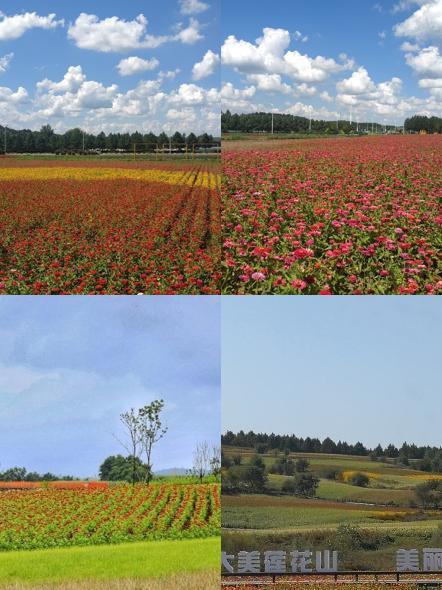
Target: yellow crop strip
x,y
204,179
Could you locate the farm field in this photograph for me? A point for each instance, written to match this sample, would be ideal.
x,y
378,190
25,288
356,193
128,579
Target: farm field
x,y
332,216
109,227
172,565
43,518
366,524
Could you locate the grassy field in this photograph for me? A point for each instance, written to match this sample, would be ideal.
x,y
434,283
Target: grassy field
x,y
285,512
120,566
365,524
388,481
197,581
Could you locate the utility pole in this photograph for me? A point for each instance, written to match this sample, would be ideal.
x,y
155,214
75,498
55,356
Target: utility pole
x,y
83,141
272,123
5,140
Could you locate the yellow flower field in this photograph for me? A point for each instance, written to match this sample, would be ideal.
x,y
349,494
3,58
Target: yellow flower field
x,y
189,178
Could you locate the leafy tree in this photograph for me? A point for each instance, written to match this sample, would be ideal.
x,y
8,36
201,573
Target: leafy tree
x,y
429,493
302,465
151,430
302,484
119,468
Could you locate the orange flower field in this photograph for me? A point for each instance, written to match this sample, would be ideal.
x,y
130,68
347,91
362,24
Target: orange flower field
x,y
52,517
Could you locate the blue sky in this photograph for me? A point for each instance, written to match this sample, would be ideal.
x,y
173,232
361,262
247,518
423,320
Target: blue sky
x,y
70,365
352,368
381,60
77,48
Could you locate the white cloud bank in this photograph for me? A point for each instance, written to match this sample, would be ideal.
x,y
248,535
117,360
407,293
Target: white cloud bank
x,y
270,55
15,26
76,101
113,34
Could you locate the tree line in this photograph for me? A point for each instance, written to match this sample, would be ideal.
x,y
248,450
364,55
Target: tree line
x,y
21,474
426,458
419,123
75,140
285,123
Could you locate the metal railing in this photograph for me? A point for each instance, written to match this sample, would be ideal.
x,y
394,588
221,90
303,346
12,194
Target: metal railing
x,y
360,576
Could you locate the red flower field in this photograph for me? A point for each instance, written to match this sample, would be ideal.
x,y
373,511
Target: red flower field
x,y
112,228
333,216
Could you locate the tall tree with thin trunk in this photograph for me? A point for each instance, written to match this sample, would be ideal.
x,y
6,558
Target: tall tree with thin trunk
x,y
151,431
201,460
131,421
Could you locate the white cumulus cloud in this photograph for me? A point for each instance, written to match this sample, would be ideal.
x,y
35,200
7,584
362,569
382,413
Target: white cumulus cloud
x,y
190,34
206,67
192,6
13,27
117,35
113,34
358,83
427,62
135,65
5,61
269,55
424,24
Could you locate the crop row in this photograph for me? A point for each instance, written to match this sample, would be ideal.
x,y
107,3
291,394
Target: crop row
x,y
63,517
114,236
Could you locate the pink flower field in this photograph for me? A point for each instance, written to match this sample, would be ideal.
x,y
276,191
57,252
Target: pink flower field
x,y
355,215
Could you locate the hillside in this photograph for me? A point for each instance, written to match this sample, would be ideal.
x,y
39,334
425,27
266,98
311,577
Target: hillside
x,y
366,523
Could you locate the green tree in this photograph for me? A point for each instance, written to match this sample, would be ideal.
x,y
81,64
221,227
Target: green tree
x,y
302,484
429,493
302,465
151,430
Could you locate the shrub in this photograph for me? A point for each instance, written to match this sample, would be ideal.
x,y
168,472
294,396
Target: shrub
x,y
359,479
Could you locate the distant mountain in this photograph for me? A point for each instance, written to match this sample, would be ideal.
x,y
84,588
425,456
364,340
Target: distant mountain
x,y
172,471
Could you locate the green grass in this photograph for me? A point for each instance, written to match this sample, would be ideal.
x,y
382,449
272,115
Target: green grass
x,y
345,492
157,559
335,490
274,512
